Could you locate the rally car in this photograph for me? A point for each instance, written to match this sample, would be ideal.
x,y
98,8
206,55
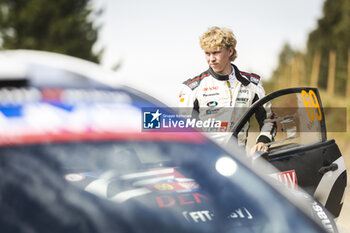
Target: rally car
x,y
154,182
74,130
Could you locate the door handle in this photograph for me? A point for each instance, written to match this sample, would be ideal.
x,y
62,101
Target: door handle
x,y
325,169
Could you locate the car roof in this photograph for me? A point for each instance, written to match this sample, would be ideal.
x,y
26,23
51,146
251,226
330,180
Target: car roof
x,y
43,92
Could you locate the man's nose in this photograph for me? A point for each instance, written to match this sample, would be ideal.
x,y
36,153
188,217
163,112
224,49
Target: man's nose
x,y
212,57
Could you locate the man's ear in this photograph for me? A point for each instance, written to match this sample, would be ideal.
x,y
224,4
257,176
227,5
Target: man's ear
x,y
231,50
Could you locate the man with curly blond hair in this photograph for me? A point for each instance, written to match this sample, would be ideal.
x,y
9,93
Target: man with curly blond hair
x,y
224,93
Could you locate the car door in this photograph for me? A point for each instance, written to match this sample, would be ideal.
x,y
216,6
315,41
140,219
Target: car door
x,y
301,150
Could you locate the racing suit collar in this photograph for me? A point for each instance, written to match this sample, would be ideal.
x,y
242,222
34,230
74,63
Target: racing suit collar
x,y
217,76
239,77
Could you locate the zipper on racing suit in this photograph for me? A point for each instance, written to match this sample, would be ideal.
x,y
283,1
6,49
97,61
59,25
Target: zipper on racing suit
x,y
229,89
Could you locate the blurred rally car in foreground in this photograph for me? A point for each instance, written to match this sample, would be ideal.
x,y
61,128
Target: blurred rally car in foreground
x,y
63,131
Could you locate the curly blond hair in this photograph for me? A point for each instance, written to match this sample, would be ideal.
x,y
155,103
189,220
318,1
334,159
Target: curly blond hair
x,y
218,38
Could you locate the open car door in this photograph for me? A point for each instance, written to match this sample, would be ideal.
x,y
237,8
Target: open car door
x,y
300,149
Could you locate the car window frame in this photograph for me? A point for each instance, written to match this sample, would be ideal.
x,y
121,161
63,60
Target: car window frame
x,y
246,116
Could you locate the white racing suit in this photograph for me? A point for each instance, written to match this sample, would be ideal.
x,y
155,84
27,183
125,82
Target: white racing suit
x,y
226,98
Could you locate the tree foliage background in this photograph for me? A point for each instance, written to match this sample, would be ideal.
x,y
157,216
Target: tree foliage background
x,y
63,26
332,33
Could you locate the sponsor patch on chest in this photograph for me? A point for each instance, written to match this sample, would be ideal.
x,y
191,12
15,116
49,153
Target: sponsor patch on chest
x,y
212,103
242,100
211,88
210,94
243,91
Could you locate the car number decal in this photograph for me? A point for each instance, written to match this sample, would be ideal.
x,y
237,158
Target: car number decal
x,y
312,105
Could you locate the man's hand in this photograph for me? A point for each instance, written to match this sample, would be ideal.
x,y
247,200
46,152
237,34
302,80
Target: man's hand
x,y
260,146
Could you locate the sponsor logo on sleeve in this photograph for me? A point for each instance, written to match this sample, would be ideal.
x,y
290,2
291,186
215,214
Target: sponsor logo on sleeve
x,y
193,85
254,80
182,98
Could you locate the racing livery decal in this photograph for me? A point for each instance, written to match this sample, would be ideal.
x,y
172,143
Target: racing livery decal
x,y
288,178
208,215
323,217
182,199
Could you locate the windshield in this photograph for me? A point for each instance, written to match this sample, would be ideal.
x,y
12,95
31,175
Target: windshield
x,y
192,186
